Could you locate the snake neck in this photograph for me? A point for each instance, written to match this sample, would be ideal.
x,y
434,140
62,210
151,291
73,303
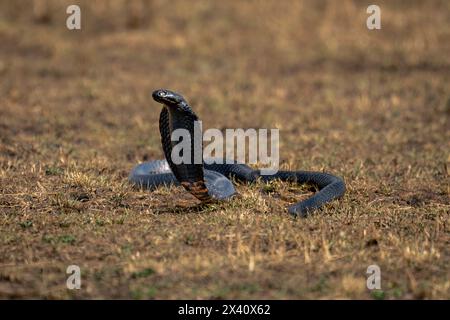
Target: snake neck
x,y
189,173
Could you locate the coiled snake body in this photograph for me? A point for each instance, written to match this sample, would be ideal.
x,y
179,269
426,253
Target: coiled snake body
x,y
209,180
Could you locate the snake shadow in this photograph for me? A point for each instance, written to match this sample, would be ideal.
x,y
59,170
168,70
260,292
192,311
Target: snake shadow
x,y
199,208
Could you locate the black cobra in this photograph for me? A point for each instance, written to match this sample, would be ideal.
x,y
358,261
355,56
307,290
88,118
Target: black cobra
x,y
209,180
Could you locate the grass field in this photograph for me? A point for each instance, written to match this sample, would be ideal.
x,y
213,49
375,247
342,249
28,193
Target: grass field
x,y
370,106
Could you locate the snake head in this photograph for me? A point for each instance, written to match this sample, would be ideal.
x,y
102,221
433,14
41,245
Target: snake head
x,y
167,97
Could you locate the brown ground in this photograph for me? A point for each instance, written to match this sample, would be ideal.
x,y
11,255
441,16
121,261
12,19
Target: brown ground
x,y
370,106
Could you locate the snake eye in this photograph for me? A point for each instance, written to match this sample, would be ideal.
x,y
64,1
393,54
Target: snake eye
x,y
162,94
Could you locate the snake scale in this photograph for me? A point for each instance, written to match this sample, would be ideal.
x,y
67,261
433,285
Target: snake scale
x,y
209,180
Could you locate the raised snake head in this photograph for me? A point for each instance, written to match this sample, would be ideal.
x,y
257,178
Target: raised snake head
x,y
167,97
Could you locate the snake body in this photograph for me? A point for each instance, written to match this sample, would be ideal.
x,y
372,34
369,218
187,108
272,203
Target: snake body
x,y
209,180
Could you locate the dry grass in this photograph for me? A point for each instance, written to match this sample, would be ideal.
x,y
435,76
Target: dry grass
x,y
370,106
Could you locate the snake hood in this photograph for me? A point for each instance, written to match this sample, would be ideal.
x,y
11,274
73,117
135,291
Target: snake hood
x,y
178,115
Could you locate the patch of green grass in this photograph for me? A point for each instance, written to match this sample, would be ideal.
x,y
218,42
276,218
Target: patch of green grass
x,y
397,293
64,224
221,292
151,292
48,238
127,249
26,224
189,239
269,188
143,273
378,294
118,200
320,285
119,221
251,288
67,239
54,171
99,275
136,294
100,222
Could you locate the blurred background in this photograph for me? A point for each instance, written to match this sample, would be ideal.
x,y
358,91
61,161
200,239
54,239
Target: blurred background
x,y
231,58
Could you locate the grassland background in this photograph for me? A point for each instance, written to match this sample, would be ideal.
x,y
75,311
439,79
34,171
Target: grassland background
x,y
76,116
